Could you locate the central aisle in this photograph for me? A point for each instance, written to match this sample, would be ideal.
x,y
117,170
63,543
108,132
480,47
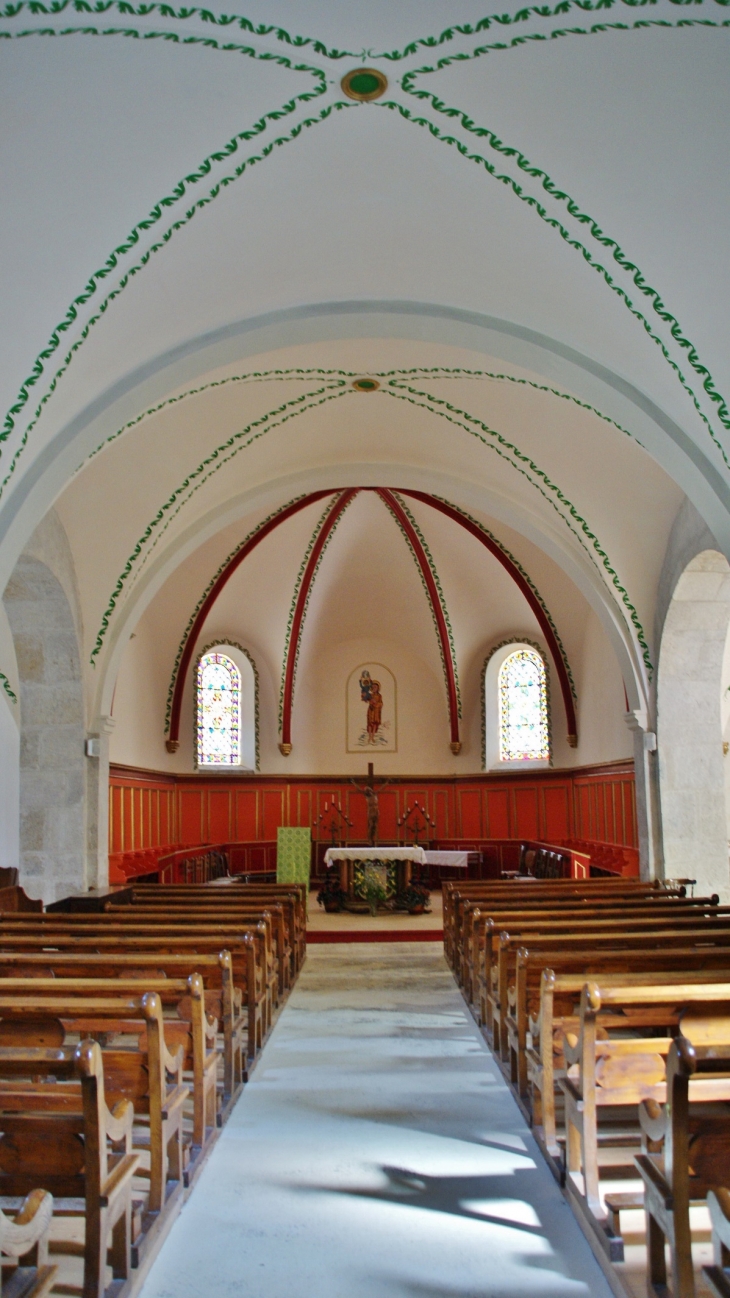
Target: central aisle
x,y
376,1151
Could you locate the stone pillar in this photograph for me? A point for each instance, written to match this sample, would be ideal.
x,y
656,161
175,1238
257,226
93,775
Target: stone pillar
x,y
689,725
97,803
647,794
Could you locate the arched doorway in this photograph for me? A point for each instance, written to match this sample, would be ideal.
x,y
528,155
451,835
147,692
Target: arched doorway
x,y
693,677
52,762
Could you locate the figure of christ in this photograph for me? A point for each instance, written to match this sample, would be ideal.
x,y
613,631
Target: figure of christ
x,y
370,793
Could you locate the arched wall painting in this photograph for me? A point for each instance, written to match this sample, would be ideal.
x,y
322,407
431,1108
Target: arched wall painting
x,y
372,710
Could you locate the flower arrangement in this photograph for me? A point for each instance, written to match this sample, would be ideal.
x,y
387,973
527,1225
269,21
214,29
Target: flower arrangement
x,y
373,888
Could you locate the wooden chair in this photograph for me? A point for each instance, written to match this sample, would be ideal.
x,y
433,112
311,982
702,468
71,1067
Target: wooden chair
x,y
24,1248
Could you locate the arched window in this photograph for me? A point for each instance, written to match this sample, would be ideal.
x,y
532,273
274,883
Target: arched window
x,y
218,691
524,734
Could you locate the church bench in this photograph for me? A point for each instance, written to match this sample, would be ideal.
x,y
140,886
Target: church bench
x,y
532,895
24,1247
283,937
476,914
542,1062
456,892
259,994
258,925
144,1072
67,1141
718,1203
685,1157
214,899
234,969
234,889
501,945
614,1069
475,922
191,1028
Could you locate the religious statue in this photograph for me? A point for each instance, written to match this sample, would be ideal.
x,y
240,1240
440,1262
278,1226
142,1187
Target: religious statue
x,y
370,694
370,793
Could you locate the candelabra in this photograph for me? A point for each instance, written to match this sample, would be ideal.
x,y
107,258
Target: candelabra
x,y
336,823
415,821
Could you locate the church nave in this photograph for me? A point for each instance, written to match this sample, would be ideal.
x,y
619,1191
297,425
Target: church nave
x,y
376,1151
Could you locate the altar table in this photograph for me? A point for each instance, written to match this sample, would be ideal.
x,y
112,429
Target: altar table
x,y
398,859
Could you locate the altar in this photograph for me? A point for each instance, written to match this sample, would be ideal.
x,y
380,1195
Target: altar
x,y
391,866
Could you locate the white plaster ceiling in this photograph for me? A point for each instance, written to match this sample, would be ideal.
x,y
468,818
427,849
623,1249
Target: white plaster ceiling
x,y
365,238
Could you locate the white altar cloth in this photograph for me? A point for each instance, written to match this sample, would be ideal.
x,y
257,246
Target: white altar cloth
x,y
458,859
367,853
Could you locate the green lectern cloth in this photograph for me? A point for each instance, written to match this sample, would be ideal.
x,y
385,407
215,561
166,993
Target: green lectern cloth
x,y
293,855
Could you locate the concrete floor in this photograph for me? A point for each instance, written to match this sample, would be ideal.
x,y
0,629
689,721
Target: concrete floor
x,y
376,1151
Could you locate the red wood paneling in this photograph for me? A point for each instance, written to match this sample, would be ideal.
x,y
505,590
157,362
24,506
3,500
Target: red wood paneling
x,y
556,812
526,819
219,829
469,818
191,817
595,804
273,811
247,826
497,825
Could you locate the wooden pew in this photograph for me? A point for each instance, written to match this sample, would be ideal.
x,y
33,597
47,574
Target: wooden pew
x,y
67,1141
544,1057
456,894
253,975
620,1073
234,890
24,1247
693,1134
195,913
259,926
146,1074
227,975
190,1029
627,932
476,916
295,895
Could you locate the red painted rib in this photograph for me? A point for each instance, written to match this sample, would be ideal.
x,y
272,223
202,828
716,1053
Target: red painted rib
x,y
268,527
340,504
433,595
526,590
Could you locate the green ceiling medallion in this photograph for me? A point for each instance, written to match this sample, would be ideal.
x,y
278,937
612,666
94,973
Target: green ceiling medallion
x,y
366,385
364,84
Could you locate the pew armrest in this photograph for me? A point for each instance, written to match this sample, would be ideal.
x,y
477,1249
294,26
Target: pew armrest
x,y
117,1181
29,1227
120,1122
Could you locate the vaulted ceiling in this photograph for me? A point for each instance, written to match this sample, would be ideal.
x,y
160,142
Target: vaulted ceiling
x,y
207,242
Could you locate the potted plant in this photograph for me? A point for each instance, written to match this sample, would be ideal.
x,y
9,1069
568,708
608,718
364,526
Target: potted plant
x,y
415,898
331,895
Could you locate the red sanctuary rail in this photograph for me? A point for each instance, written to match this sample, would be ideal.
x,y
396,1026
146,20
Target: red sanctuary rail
x,y
172,863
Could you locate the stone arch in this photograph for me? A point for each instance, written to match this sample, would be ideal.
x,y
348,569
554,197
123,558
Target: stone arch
x,y
690,684
52,854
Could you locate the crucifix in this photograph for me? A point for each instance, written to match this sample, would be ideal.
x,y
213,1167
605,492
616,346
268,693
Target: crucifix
x,y
370,793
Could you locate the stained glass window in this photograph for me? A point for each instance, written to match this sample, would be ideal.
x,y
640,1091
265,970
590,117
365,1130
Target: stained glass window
x,y
219,711
523,716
